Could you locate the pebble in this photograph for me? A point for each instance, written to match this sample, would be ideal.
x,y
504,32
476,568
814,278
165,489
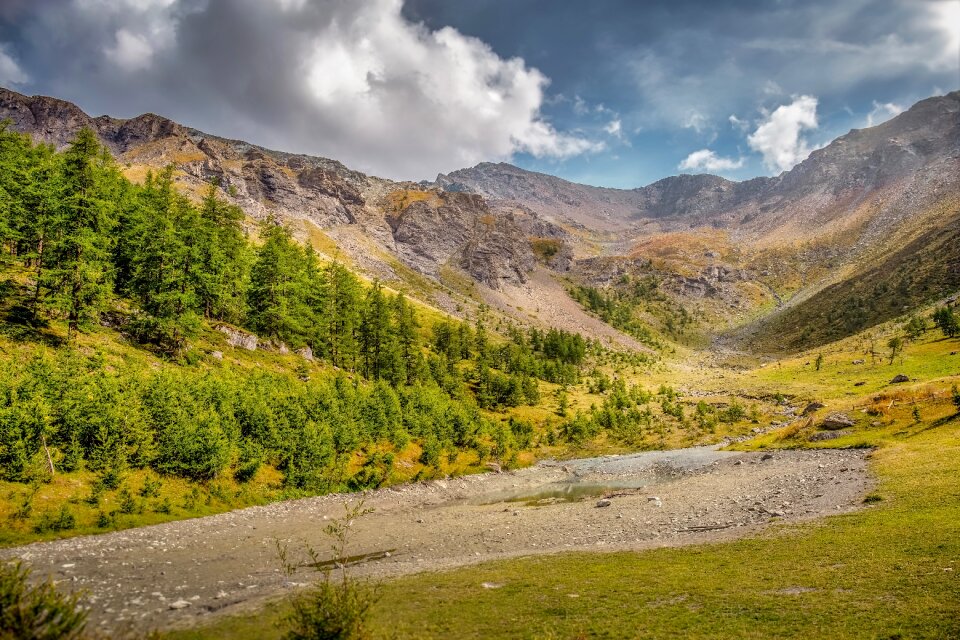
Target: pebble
x,y
179,604
603,503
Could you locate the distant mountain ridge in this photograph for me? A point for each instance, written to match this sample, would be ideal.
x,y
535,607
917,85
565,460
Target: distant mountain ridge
x,y
924,139
871,197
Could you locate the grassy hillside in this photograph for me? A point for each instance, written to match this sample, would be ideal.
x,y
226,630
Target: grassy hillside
x,y
924,269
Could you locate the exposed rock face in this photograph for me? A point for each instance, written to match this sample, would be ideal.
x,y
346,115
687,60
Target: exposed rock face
x,y
459,229
239,338
441,227
909,158
495,221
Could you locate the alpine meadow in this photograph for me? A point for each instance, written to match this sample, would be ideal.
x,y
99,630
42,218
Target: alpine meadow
x,y
253,393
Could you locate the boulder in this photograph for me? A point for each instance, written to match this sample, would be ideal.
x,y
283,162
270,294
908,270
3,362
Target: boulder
x,y
812,407
239,338
837,421
899,378
306,353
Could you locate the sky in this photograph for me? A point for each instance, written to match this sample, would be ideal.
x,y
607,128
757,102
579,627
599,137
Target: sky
x,y
608,92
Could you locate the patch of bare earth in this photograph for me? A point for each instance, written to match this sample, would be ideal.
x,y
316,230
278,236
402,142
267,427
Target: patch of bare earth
x,y
178,573
543,301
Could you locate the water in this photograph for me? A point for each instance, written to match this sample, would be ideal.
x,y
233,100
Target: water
x,y
350,560
598,477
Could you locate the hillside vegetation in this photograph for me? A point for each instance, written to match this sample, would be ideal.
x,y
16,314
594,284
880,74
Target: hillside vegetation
x,y
161,363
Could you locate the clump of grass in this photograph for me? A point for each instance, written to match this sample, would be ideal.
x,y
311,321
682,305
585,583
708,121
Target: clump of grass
x,y
872,498
38,612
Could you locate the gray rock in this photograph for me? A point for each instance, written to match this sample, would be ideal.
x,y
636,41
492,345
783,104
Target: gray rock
x,y
820,436
836,421
860,361
238,337
179,604
216,355
603,502
899,378
306,353
812,408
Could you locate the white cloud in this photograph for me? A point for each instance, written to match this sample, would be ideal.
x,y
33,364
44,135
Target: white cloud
x,y
130,52
353,80
944,19
737,123
423,101
882,112
779,138
10,71
695,120
707,160
614,128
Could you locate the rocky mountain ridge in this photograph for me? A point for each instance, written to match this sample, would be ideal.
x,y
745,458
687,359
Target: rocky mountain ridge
x,y
919,149
732,246
431,229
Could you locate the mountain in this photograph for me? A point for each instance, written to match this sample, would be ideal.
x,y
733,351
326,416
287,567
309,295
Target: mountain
x,y
780,252
917,152
425,228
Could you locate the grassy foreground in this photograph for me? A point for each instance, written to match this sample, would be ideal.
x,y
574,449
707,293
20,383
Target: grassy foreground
x,y
891,570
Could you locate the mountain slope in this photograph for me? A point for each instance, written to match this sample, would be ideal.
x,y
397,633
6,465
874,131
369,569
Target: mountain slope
x,y
727,251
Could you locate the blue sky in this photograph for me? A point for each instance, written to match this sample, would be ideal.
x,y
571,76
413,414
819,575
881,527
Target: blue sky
x,y
610,92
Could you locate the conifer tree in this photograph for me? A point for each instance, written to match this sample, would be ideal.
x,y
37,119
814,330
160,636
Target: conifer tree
x,y
276,299
78,276
344,316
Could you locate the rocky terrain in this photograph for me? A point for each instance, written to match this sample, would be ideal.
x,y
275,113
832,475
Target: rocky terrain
x,y
181,572
728,250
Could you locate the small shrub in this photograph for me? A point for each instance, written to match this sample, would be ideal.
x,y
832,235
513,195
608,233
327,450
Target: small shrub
x,y
151,488
128,504
111,477
163,506
105,520
251,457
25,508
338,607
38,612
62,521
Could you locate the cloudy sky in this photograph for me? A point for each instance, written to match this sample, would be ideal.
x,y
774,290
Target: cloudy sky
x,y
608,92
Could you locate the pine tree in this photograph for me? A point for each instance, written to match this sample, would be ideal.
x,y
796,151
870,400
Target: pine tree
x,y
224,259
405,321
375,332
344,316
164,271
79,273
276,298
946,321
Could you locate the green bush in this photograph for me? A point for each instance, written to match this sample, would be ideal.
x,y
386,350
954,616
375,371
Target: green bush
x,y
37,612
197,449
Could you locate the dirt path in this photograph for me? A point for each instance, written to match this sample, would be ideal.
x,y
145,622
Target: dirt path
x,y
177,573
